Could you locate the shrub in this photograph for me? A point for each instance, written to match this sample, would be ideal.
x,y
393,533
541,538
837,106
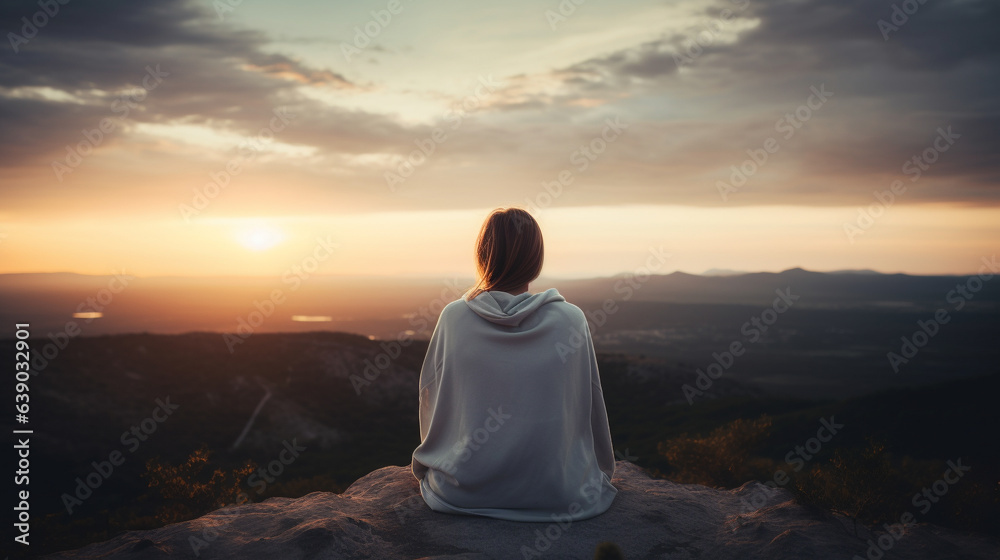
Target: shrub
x,y
189,490
854,482
722,458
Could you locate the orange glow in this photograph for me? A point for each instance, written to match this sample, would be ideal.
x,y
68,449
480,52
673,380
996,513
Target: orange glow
x,y
587,241
312,318
88,315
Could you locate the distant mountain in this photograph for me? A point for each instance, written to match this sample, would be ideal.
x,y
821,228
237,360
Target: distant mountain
x,y
388,307
845,289
859,271
722,272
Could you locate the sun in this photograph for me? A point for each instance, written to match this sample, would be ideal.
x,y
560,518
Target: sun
x,y
260,237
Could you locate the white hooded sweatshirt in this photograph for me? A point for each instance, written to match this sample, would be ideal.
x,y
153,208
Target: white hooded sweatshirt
x,y
512,417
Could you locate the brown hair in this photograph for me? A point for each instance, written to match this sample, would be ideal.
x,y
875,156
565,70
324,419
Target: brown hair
x,y
509,251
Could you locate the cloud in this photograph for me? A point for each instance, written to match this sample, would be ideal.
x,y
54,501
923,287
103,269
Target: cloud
x,y
706,94
100,51
696,97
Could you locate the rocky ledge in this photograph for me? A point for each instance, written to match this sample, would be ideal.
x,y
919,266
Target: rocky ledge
x,y
383,516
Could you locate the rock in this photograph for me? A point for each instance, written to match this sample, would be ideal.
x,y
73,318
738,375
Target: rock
x,y
383,516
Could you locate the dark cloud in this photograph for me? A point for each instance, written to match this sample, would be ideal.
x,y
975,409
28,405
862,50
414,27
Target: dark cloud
x,y
816,36
100,51
940,67
652,59
938,36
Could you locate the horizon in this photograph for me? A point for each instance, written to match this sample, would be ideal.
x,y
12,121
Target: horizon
x,y
387,307
580,243
544,278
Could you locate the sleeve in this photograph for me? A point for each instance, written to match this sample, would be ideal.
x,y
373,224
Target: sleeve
x,y
427,386
603,447
427,394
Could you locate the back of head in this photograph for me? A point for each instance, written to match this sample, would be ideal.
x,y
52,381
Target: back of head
x,y
509,251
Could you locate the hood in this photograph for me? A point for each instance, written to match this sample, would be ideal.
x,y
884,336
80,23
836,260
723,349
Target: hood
x,y
504,309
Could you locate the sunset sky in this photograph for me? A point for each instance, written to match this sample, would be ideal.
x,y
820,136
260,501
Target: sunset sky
x,y
237,133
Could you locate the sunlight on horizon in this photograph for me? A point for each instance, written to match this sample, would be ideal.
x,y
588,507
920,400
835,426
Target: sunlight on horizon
x,y
312,318
580,242
260,237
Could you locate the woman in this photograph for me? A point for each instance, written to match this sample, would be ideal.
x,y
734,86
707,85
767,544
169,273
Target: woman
x,y
512,417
